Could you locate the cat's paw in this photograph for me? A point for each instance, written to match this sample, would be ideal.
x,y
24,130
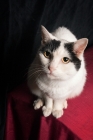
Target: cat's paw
x,y
46,111
65,104
38,103
57,113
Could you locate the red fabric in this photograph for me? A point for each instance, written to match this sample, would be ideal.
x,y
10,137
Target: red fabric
x,y
24,123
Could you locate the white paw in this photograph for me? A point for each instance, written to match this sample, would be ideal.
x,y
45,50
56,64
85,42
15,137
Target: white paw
x,y
46,111
37,104
57,113
65,104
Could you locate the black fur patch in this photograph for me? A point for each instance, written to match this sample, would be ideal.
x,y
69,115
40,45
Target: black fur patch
x,y
50,46
74,58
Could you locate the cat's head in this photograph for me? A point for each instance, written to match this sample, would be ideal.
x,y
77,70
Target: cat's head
x,y
60,59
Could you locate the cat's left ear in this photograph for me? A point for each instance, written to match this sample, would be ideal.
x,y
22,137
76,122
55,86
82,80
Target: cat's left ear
x,y
80,45
45,35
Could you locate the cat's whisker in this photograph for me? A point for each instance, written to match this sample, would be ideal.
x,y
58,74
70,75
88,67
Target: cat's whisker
x,y
31,71
39,65
36,72
36,65
31,75
36,69
38,76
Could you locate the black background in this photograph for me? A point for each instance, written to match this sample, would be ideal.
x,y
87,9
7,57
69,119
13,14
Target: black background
x,y
20,22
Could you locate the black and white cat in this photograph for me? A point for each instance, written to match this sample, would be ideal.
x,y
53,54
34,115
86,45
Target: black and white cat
x,y
58,71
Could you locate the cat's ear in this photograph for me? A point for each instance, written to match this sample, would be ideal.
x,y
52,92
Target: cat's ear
x,y
80,45
45,35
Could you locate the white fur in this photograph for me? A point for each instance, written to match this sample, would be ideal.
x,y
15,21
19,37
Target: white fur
x,y
64,33
64,82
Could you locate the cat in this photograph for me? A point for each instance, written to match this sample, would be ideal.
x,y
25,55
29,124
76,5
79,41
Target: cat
x,y
58,71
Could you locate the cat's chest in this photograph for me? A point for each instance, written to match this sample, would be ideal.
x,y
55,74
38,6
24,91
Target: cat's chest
x,y
54,89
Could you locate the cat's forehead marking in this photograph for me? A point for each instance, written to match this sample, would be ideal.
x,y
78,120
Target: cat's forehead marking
x,y
70,47
51,46
61,52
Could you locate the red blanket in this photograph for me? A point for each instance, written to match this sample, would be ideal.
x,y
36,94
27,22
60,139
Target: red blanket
x,y
24,123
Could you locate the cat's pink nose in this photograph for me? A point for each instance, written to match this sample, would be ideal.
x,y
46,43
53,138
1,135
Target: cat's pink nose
x,y
51,68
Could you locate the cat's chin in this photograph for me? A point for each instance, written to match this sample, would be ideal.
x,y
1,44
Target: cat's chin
x,y
51,76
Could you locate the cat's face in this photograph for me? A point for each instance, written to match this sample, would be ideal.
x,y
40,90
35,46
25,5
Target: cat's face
x,y
59,59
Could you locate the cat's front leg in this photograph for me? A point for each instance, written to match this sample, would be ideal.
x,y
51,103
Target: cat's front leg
x,y
58,106
47,109
38,103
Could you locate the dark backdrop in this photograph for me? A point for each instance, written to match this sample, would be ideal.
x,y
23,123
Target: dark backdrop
x,y
20,35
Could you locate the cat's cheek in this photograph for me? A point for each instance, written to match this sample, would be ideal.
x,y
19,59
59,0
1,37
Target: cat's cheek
x,y
64,75
69,70
44,61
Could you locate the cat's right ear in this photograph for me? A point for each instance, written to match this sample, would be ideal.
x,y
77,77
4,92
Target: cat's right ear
x,y
45,35
80,45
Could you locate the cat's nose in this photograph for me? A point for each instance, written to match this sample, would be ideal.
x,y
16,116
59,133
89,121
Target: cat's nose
x,y
51,68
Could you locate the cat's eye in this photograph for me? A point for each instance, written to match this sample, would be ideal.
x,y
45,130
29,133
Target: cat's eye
x,y
65,60
47,54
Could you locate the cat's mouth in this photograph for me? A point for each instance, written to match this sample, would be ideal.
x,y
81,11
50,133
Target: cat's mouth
x,y
51,76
